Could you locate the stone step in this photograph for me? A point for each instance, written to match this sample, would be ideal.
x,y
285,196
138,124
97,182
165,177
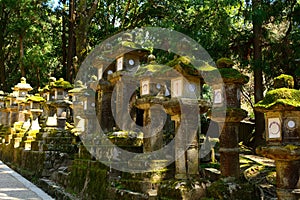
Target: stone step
x,y
55,190
58,140
64,148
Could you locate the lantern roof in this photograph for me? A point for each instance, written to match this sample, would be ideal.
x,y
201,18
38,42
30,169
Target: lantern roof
x,y
61,83
284,98
35,98
22,85
78,87
225,70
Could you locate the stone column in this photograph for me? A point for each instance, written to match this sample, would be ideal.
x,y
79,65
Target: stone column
x,y
104,110
229,149
186,142
180,155
153,122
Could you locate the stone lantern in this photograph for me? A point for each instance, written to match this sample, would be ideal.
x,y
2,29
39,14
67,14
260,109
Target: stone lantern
x,y
122,78
60,89
89,110
131,60
153,92
20,91
282,118
35,110
152,81
22,88
77,98
228,114
59,103
186,84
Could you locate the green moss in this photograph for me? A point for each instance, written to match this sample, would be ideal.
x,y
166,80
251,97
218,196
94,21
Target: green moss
x,y
231,74
228,74
152,69
229,111
231,190
210,165
61,83
281,96
284,81
88,180
224,63
185,63
207,68
45,89
182,60
35,98
292,147
76,90
130,44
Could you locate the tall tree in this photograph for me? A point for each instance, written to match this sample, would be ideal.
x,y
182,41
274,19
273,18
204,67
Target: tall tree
x,y
71,42
258,72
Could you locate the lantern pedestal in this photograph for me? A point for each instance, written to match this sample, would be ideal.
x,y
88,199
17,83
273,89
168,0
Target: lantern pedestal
x,y
287,160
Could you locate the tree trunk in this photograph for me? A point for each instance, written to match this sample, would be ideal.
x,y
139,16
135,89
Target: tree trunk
x,y
64,41
23,73
85,16
2,63
3,24
258,75
2,71
71,44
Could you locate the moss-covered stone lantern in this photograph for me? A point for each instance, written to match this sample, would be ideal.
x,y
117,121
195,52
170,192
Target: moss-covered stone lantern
x,y
227,104
58,104
76,95
281,107
35,110
129,61
20,91
128,56
152,80
188,83
153,86
60,88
